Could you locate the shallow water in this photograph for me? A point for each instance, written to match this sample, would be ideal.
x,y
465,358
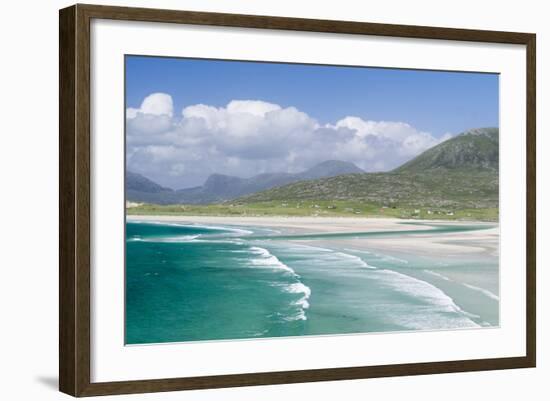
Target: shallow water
x,y
193,282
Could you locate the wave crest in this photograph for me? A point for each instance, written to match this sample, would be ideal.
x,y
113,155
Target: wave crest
x,y
266,259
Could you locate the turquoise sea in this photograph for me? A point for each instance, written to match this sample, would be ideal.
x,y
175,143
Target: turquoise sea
x,y
188,282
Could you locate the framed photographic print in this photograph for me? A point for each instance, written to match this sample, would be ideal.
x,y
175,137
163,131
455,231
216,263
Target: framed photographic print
x,y
250,200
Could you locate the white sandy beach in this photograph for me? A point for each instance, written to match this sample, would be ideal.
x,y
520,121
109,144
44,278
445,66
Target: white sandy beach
x,y
438,244
455,268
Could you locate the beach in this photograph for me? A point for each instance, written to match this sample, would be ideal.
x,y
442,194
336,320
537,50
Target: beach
x,y
444,244
313,275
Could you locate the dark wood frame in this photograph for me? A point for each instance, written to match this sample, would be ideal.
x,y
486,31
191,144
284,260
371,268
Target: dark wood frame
x,y
74,199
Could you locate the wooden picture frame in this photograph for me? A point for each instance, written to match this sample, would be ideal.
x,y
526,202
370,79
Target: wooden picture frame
x,y
75,208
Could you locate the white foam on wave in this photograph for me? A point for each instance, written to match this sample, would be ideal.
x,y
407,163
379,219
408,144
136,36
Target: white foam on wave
x,y
162,223
135,238
434,309
483,291
223,228
358,251
179,238
438,275
309,248
378,255
471,287
300,288
328,256
356,259
266,259
192,225
436,300
259,251
394,259
301,315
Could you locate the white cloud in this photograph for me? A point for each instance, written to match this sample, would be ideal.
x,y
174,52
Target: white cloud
x,y
156,104
248,137
131,112
255,107
154,116
147,127
406,140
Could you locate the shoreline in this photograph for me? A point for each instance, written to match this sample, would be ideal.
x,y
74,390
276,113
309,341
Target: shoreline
x,y
453,244
316,223
461,264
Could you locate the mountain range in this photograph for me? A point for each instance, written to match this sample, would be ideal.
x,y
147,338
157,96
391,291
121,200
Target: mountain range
x,y
459,172
220,187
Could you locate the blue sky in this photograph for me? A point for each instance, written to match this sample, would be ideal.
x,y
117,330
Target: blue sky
x,y
189,118
433,101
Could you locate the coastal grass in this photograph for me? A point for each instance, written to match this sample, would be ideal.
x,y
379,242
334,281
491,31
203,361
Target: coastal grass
x,y
439,189
320,208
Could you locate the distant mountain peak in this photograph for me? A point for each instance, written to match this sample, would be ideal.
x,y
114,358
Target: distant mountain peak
x,y
491,132
475,149
138,182
461,173
330,168
220,181
221,187
335,163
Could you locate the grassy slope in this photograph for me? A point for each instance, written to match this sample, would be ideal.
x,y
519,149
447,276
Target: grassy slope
x,y
449,195
435,189
316,208
477,149
434,185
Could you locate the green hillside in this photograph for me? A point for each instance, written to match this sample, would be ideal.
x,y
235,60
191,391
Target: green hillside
x,y
456,175
476,149
314,208
457,179
452,189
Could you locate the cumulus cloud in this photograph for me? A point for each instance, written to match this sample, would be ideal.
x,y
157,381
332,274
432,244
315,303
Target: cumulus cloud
x,y
248,137
156,104
405,139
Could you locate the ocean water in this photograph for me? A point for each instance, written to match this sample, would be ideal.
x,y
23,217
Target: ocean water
x,y
189,282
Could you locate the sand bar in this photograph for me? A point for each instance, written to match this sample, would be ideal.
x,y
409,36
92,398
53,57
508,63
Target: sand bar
x,y
442,244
